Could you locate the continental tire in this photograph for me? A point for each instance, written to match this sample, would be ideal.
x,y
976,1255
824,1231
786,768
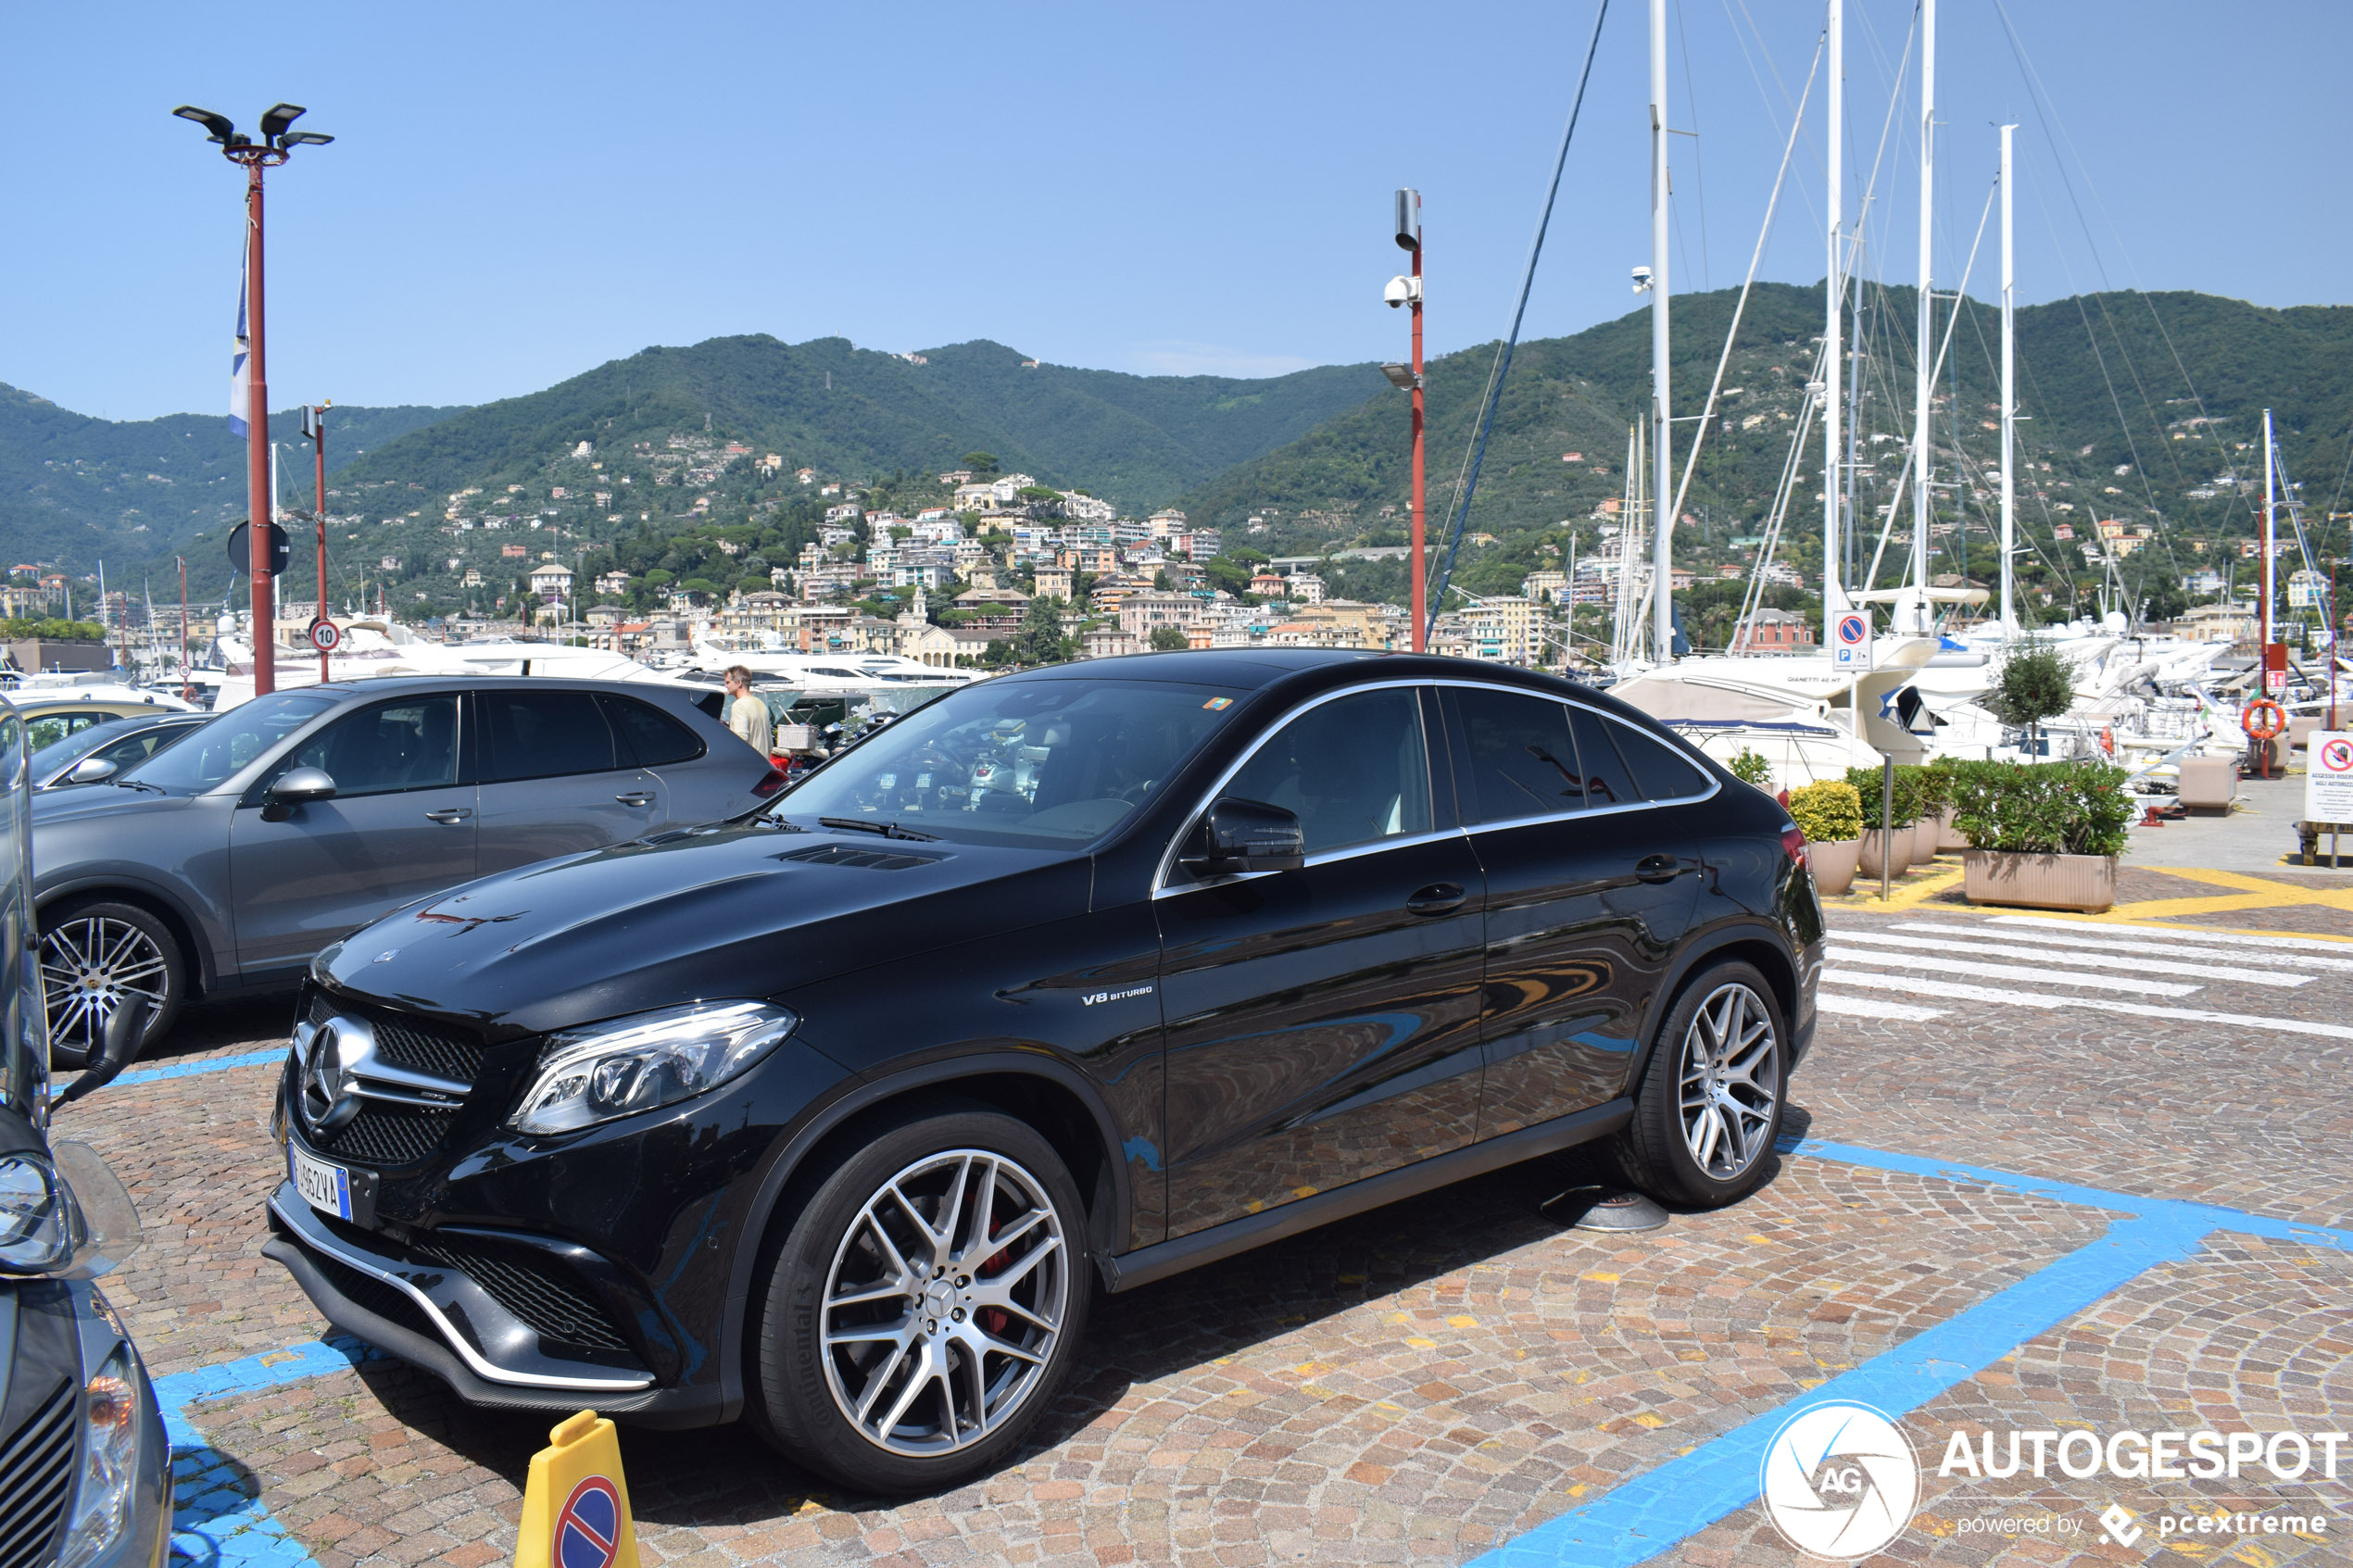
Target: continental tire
x,y
1710,1104
923,1305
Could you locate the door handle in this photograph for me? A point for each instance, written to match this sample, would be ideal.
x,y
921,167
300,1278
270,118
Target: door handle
x,y
635,797
1438,898
451,814
1657,868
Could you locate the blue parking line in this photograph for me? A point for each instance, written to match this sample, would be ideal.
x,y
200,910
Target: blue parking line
x,y
190,1069
217,1517
1651,1513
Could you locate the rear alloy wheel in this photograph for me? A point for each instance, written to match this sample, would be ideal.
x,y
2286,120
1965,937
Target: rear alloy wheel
x,y
1710,1106
925,1305
93,956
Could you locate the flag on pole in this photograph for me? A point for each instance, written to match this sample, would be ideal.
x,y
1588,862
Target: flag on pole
x,y
240,362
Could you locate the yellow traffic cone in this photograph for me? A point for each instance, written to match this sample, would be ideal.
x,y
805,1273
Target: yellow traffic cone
x,y
575,1506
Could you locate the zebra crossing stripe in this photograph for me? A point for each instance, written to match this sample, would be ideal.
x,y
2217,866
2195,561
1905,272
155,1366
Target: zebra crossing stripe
x,y
1871,1007
2189,934
1965,942
2241,958
1944,965
1911,985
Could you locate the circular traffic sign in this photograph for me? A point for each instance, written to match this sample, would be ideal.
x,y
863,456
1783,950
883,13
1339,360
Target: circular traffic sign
x,y
588,1529
241,549
1853,630
2337,757
325,636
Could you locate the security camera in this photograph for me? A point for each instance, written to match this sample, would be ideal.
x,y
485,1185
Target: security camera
x,y
1402,291
1642,279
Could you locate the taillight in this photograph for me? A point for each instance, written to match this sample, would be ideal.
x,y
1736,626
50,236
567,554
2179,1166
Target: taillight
x,y
770,782
1793,844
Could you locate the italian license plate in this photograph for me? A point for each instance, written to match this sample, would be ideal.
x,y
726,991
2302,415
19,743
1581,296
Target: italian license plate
x,y
324,1186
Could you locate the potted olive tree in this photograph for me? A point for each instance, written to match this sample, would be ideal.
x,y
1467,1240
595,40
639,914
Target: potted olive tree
x,y
1830,816
2046,836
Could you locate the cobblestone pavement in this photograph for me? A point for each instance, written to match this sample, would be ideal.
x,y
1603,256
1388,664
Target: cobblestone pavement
x,y
1430,1381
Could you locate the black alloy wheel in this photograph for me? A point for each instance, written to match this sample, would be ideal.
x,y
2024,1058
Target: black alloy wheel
x,y
1710,1104
925,1303
94,953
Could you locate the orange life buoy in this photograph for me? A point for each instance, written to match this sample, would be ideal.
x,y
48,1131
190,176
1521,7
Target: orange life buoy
x,y
2107,740
2264,720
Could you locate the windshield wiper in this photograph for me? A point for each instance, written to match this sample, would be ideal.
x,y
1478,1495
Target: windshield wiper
x,y
889,829
134,783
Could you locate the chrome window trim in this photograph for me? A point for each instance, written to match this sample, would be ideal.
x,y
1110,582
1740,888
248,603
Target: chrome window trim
x,y
1168,855
1161,888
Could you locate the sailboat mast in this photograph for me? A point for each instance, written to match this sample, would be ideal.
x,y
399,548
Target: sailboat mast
x,y
2263,567
1834,600
1662,470
1922,352
2010,396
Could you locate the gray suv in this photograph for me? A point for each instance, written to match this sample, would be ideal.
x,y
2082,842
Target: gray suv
x,y
224,863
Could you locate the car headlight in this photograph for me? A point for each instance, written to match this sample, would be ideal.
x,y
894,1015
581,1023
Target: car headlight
x,y
40,1227
109,1461
653,1058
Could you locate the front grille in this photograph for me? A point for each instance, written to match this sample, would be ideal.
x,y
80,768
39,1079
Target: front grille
x,y
412,1044
36,1475
371,1293
533,1288
388,1134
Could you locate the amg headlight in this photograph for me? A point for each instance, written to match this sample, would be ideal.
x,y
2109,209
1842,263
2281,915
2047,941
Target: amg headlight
x,y
109,1461
40,1227
654,1058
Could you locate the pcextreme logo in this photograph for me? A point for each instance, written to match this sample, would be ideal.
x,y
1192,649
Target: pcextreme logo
x,y
1839,1481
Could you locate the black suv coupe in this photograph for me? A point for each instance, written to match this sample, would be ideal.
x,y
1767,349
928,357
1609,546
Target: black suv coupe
x,y
835,1115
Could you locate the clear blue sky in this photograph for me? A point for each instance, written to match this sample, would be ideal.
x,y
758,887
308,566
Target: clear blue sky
x,y
520,191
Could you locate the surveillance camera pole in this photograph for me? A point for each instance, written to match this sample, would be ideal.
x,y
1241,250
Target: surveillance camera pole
x,y
259,507
1409,234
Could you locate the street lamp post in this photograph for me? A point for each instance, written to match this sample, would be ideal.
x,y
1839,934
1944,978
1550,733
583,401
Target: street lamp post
x,y
1407,291
278,142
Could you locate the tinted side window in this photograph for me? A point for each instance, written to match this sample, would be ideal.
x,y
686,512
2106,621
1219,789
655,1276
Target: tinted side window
x,y
1521,760
645,732
541,734
394,745
1354,770
1660,773
1606,781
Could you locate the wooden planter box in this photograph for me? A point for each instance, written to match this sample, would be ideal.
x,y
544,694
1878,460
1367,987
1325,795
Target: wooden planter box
x,y
1835,865
2082,882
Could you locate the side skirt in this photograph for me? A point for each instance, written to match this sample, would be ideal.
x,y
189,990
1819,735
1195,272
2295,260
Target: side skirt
x,y
1147,1264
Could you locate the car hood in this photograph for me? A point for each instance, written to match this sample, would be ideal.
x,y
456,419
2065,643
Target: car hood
x,y
725,911
101,800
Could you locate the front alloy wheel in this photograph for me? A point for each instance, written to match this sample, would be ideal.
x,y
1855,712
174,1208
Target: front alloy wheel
x,y
92,957
945,1302
922,1301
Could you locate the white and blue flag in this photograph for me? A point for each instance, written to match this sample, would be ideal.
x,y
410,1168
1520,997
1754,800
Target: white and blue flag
x,y
240,363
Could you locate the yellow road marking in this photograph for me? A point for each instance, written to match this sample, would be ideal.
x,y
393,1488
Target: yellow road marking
x,y
1907,891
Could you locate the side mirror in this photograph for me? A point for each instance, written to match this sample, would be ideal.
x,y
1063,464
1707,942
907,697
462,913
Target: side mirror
x,y
1246,836
92,770
126,1032
298,785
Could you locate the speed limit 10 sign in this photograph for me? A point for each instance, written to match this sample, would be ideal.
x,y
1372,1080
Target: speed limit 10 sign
x,y
325,636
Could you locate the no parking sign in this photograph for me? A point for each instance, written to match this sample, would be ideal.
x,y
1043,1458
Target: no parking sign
x,y
2328,777
1851,642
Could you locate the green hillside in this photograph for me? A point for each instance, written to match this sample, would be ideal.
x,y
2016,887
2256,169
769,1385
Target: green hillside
x,y
1139,440
76,490
1346,483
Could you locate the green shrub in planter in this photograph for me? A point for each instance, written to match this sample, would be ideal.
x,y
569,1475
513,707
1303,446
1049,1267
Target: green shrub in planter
x,y
1935,783
1828,812
1907,795
2043,808
1750,767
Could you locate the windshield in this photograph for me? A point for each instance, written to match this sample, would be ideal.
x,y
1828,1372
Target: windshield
x,y
57,753
228,742
1038,762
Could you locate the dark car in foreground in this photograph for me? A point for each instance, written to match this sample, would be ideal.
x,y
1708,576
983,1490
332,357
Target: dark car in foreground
x,y
225,862
838,1116
85,1475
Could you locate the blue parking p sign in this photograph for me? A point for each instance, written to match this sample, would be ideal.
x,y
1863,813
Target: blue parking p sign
x,y
1851,644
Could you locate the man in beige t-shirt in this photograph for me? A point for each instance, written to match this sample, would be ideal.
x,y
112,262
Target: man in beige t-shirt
x,y
747,715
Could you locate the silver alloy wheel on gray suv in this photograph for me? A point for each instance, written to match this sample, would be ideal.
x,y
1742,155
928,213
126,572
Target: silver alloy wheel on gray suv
x,y
944,1302
91,959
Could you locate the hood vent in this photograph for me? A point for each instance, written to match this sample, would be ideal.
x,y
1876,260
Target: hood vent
x,y
856,855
